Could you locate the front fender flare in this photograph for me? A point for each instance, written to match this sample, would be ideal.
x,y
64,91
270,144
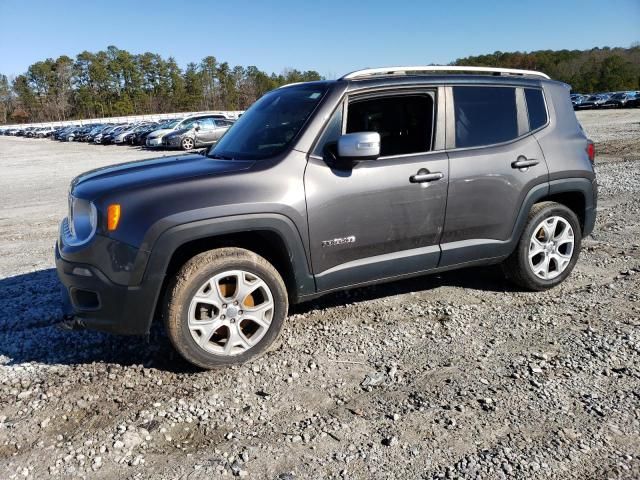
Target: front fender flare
x,y
171,239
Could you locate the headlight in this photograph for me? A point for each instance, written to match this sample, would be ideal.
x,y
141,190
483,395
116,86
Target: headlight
x,y
81,224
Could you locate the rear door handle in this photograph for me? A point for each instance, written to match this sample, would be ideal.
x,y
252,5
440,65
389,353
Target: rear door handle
x,y
523,162
426,177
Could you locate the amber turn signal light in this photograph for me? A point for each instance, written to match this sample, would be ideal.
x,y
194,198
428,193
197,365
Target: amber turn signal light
x,y
113,216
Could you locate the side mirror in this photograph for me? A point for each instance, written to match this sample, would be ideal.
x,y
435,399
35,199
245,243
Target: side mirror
x,y
359,146
196,126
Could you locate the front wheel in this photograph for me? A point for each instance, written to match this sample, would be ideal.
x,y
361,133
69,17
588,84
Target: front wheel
x,y
225,307
187,143
548,248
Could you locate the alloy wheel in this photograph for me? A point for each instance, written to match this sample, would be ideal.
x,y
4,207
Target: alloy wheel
x,y
551,248
230,313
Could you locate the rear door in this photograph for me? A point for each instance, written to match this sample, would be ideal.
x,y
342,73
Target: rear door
x,y
494,161
221,126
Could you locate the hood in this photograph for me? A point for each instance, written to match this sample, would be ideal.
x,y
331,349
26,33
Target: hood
x,y
175,133
159,133
126,176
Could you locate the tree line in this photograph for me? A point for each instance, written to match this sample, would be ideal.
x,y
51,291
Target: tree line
x,y
587,71
115,82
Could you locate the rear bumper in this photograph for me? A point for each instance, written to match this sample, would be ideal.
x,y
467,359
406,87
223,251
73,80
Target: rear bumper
x,y
591,210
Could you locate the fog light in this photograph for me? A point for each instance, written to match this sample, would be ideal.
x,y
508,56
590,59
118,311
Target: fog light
x,y
83,272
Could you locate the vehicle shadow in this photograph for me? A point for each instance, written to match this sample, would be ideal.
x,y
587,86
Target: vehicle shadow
x,y
30,318
31,314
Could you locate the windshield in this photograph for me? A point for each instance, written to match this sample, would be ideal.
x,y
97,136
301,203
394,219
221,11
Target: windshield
x,y
270,124
170,124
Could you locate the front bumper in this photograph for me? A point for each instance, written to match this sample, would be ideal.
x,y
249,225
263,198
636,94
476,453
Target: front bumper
x,y
98,294
154,142
171,142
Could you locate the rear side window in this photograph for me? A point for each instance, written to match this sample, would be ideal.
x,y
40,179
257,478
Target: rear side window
x,y
485,115
535,108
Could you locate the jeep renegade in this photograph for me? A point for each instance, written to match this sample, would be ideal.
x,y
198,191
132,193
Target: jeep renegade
x,y
329,185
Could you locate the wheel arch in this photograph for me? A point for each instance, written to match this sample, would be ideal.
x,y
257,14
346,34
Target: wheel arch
x,y
272,236
577,194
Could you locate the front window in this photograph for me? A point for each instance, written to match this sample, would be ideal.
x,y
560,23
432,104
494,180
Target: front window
x,y
271,123
187,124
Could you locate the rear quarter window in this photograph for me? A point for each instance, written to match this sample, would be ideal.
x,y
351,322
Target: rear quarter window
x,y
535,108
484,115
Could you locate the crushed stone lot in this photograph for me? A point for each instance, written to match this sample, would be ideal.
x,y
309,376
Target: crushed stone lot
x,y
457,375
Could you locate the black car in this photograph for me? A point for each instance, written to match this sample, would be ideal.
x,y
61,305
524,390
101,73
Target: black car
x,y
619,100
634,102
64,132
140,138
97,130
593,101
107,138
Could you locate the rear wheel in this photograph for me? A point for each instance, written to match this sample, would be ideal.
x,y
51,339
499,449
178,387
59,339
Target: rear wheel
x,y
225,307
548,248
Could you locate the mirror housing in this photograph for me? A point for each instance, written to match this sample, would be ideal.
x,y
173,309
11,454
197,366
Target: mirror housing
x,y
359,146
196,126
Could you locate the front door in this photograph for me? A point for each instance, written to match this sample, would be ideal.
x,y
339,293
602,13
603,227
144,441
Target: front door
x,y
379,218
205,134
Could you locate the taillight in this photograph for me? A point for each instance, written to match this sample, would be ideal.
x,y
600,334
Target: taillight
x,y
591,152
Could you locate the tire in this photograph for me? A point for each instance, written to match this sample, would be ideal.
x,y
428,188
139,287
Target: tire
x,y
222,269
187,143
537,243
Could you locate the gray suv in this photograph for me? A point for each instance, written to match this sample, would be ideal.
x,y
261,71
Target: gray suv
x,y
323,186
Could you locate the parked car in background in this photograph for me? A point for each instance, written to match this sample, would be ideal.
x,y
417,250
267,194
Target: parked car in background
x,y
199,132
45,132
576,99
154,139
133,133
106,131
593,101
619,100
109,138
95,131
122,136
140,138
67,134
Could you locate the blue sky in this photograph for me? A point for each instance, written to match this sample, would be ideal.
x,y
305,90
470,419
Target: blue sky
x,y
330,36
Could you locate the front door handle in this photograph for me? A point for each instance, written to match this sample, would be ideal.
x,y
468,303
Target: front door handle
x,y
523,162
421,177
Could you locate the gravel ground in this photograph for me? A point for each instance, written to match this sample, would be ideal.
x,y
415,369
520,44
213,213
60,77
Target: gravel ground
x,y
449,376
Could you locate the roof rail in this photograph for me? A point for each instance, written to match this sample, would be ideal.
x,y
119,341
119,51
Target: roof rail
x,y
368,72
